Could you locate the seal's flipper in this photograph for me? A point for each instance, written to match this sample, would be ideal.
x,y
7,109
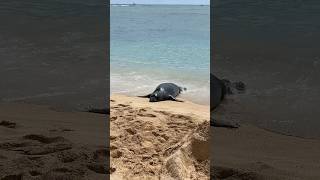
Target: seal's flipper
x,y
174,99
146,96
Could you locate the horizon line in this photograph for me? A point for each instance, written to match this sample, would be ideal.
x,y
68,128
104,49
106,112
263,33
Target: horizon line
x,y
158,4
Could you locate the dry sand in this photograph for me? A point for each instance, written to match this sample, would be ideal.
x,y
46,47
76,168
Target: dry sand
x,y
38,143
251,153
163,140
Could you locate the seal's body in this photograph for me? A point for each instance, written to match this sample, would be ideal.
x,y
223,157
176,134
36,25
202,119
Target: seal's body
x,y
219,89
165,91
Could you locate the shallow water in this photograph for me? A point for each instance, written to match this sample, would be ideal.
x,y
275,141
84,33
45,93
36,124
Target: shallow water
x,y
160,43
273,46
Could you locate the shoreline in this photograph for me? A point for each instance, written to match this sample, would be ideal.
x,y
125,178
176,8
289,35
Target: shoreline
x,y
183,97
203,111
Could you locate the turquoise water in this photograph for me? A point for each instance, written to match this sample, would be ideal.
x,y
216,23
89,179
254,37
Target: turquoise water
x,y
160,43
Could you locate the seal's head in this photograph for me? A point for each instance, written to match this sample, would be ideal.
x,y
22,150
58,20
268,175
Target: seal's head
x,y
153,97
158,95
239,86
234,87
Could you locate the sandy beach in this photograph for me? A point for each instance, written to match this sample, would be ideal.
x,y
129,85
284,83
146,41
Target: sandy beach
x,y
166,140
37,142
253,153
163,140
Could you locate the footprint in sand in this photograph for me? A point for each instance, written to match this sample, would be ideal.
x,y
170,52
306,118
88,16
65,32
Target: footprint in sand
x,y
226,173
164,113
61,130
34,144
100,168
123,105
113,147
13,146
165,137
34,173
44,139
180,117
146,115
131,131
116,154
68,156
62,173
101,154
155,133
8,124
47,149
12,177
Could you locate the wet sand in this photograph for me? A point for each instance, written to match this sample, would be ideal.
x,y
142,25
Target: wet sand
x,y
163,140
253,153
37,142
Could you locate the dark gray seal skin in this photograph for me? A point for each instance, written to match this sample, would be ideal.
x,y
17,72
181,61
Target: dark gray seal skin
x,y
165,91
219,89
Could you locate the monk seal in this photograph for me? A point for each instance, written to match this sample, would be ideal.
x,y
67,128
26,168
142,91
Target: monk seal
x,y
219,89
165,91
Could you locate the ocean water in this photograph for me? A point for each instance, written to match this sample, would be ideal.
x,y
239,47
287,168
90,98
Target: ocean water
x,y
272,46
160,43
53,52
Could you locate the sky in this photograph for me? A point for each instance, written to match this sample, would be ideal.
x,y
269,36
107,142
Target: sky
x,y
206,2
